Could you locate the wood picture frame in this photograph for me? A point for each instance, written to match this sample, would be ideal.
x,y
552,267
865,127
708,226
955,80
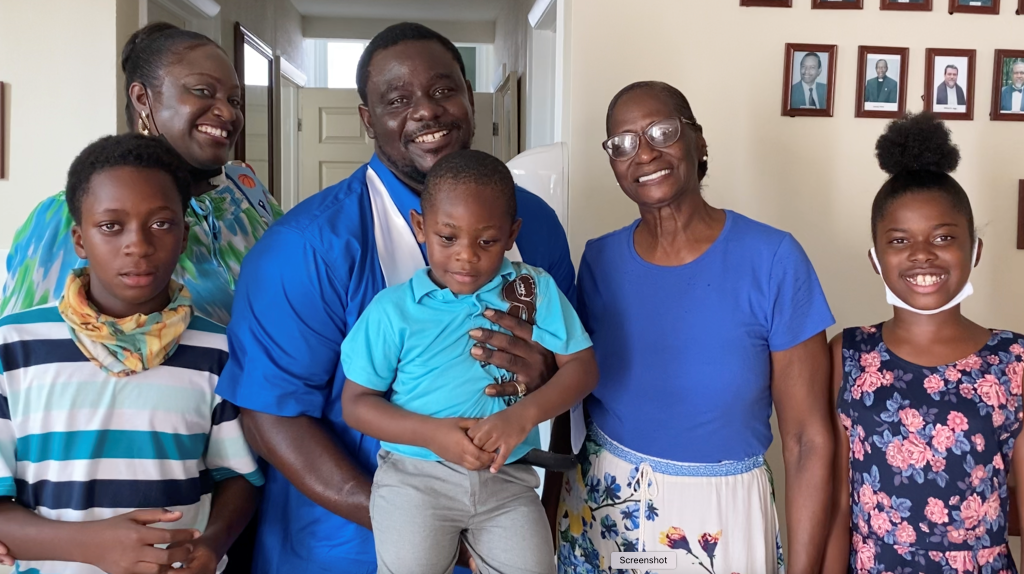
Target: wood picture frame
x,y
1006,74
837,4
794,103
3,132
974,6
881,104
258,49
907,5
769,3
1020,7
1020,215
950,58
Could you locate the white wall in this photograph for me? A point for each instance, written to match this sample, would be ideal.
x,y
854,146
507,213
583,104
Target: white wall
x,y
58,59
815,177
367,28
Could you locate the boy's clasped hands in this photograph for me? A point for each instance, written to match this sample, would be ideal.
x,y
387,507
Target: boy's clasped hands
x,y
475,444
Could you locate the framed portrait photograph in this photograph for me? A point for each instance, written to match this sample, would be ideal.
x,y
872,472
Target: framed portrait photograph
x,y
837,4
1020,215
949,83
908,5
768,3
808,84
1008,86
881,81
974,6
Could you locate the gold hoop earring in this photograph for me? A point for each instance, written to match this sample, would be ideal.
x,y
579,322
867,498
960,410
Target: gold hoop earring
x,y
143,124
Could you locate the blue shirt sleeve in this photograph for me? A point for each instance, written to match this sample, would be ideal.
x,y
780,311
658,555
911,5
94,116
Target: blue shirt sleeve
x,y
286,329
561,268
558,327
798,309
370,352
542,242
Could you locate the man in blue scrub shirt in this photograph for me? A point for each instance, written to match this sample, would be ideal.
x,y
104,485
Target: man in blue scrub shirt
x,y
305,283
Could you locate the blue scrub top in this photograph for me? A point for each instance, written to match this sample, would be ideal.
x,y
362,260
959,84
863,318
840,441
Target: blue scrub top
x,y
301,289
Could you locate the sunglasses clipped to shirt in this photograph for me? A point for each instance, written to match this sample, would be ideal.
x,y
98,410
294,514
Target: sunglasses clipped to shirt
x,y
660,134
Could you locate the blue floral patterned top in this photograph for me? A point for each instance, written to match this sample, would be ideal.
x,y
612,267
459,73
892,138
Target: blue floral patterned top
x,y
930,450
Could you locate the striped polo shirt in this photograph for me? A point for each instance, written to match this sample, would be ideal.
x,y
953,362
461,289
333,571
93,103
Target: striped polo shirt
x,y
77,444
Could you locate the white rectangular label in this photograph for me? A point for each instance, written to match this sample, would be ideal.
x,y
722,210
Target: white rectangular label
x,y
655,561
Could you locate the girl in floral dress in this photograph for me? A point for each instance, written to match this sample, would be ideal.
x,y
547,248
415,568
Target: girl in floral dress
x,y
929,403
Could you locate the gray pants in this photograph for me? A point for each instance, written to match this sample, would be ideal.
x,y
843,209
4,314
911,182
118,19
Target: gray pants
x,y
420,509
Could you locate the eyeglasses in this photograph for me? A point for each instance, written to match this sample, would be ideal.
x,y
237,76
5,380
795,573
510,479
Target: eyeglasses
x,y
660,134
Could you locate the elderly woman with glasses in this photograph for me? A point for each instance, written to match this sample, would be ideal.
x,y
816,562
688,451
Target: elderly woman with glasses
x,y
701,319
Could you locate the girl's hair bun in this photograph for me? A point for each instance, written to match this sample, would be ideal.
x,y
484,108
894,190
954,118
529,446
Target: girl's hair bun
x,y
915,143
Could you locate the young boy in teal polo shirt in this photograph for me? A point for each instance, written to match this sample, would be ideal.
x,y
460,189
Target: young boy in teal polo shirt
x,y
412,383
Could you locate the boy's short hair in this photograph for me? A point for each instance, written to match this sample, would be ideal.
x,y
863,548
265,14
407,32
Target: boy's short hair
x,y
128,150
474,168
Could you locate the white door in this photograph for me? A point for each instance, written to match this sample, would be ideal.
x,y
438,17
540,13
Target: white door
x,y
506,119
333,141
288,170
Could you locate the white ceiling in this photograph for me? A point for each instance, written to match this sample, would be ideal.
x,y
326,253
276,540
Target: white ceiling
x,y
450,10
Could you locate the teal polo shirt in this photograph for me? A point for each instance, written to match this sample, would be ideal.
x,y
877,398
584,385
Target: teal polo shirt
x,y
413,340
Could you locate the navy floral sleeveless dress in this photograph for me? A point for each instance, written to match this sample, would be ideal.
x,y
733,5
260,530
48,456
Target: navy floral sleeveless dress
x,y
930,450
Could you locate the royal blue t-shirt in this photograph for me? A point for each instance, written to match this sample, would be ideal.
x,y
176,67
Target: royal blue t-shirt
x,y
301,289
685,352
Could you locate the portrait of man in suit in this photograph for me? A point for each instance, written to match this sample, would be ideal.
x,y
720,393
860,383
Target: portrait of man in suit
x,y
1010,99
881,89
949,93
809,92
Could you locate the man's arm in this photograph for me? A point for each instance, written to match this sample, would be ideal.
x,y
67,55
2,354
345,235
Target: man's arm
x,y
288,323
546,247
575,378
302,450
800,392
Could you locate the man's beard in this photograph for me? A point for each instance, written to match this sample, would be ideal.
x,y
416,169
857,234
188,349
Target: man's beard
x,y
408,170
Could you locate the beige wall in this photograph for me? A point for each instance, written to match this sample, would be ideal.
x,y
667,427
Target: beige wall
x,y
814,177
58,60
276,22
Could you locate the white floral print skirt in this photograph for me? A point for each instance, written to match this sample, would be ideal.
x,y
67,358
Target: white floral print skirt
x,y
718,518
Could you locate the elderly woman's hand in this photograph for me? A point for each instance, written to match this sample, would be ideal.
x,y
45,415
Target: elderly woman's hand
x,y
532,364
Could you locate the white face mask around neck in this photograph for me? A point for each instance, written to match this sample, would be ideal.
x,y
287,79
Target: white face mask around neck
x,y
895,301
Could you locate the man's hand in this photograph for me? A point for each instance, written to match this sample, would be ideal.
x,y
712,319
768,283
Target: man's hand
x,y
450,442
125,544
5,556
500,433
532,364
202,559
